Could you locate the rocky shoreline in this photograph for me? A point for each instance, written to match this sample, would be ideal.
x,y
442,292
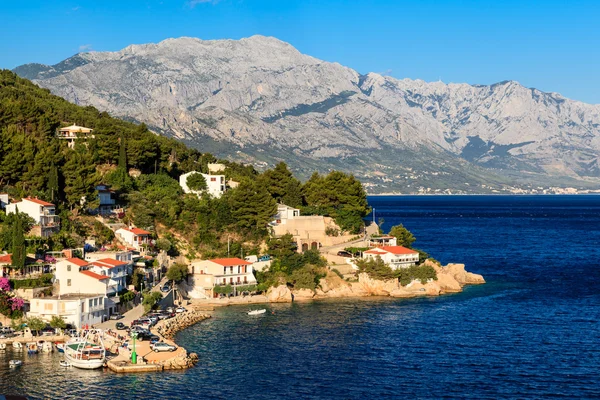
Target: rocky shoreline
x,y
450,279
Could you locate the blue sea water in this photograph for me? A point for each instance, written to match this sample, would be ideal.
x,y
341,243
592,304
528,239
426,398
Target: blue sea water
x,y
531,332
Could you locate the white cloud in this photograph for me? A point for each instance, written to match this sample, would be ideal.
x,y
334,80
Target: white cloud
x,y
85,47
75,8
194,3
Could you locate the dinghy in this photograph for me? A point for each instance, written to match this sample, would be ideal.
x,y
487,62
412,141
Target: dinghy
x,y
15,363
17,346
257,312
65,364
2,346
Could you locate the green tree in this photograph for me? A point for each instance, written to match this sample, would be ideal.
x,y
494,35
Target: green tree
x,y
18,243
403,235
252,207
122,154
53,183
137,279
196,182
177,272
57,322
281,185
376,268
35,324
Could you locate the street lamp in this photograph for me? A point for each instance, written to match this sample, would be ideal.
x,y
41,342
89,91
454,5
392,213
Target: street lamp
x,y
133,353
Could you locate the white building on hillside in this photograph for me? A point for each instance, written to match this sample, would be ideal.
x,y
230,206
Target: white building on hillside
x,y
215,184
78,310
284,213
3,200
42,212
394,256
206,274
72,133
379,241
135,237
115,270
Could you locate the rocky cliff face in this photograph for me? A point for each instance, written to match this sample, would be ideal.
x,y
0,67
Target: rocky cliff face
x,y
242,98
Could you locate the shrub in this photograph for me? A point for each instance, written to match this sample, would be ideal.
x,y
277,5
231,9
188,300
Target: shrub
x,y
338,273
376,268
150,299
44,280
421,272
177,272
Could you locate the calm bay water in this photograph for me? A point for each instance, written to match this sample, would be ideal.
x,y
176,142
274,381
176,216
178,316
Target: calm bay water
x,y
532,331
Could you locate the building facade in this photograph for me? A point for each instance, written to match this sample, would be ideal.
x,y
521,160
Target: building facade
x,y
42,212
394,256
78,310
135,237
204,275
215,184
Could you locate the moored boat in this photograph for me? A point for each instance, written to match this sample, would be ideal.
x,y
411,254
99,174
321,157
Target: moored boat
x,y
84,354
17,346
65,364
257,312
32,348
46,347
60,347
15,363
2,346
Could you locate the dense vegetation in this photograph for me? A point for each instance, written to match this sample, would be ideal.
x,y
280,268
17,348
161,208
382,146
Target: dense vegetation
x,y
377,269
144,168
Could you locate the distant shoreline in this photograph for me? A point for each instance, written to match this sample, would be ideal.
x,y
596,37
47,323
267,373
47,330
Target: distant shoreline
x,y
480,194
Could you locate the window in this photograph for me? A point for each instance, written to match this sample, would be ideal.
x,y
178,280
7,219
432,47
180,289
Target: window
x,y
224,270
48,307
68,282
95,302
213,179
68,268
101,299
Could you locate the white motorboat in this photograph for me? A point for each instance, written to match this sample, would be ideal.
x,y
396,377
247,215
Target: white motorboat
x,y
60,347
257,312
32,348
64,364
46,347
15,363
17,346
2,346
84,354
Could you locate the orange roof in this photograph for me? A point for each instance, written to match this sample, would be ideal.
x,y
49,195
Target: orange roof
x,y
374,251
398,250
382,237
40,202
108,263
94,275
6,259
230,262
137,231
78,261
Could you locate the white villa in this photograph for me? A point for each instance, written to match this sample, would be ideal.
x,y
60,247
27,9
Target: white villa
x,y
379,241
74,132
76,276
78,310
394,256
204,275
284,213
216,184
42,212
135,237
115,270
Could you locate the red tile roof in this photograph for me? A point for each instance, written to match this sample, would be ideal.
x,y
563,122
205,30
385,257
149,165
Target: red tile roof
x,y
94,275
398,250
78,261
230,262
40,202
138,231
6,259
108,263
374,251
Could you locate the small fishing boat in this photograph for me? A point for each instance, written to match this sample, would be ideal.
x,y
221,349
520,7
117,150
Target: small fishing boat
x,y
257,312
2,346
60,347
15,363
85,354
64,364
17,346
47,347
32,348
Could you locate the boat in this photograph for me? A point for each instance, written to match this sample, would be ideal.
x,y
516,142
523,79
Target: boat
x,y
15,363
257,312
17,346
46,347
60,347
32,348
84,354
65,364
2,346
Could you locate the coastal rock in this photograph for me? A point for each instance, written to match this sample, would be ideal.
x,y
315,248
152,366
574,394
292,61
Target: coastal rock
x,y
448,283
279,294
374,287
168,328
303,294
462,276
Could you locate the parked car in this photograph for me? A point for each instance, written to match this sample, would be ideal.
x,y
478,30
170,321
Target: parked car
x,y
166,287
148,336
344,253
162,346
48,330
180,309
120,326
116,316
264,258
170,309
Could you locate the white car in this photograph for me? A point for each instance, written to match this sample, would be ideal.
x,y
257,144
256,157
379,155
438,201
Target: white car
x,y
180,310
162,346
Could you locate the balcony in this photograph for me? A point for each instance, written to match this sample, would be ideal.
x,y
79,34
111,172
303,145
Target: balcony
x,y
49,221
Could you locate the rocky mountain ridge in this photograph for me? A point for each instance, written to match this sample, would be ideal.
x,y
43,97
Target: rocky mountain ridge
x,y
260,100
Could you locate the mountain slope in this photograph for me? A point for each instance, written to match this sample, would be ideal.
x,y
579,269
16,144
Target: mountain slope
x,y
260,100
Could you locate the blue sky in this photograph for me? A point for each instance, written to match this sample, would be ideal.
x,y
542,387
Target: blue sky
x,y
551,45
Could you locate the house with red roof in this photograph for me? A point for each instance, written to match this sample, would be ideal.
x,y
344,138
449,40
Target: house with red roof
x,y
394,256
42,212
135,237
204,275
115,270
379,241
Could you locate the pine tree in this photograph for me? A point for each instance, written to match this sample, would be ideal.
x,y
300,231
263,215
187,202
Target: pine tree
x,y
122,154
53,183
18,244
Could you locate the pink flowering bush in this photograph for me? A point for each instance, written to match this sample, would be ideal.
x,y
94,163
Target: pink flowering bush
x,y
17,303
4,285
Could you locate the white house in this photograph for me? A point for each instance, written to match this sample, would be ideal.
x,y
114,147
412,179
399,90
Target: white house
x,y
3,200
42,212
75,276
78,310
379,241
72,133
135,237
215,184
284,213
394,256
115,270
204,275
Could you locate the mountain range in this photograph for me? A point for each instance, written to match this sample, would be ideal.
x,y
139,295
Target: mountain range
x,y
259,100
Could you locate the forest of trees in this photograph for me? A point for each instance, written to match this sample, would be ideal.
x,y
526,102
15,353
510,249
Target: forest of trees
x,y
35,163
